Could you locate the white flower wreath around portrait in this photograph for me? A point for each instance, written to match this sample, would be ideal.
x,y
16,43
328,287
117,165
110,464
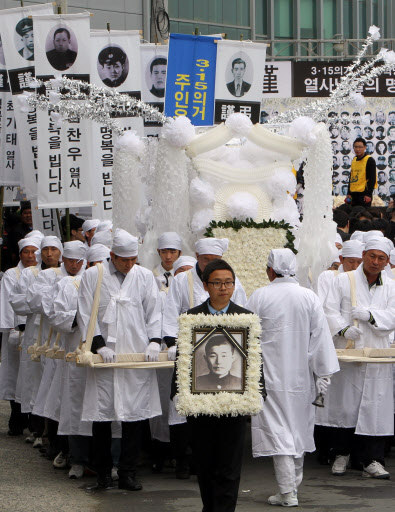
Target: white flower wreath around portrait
x,y
222,402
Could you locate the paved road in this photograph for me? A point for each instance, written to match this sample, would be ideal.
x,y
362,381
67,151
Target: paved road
x,y
28,483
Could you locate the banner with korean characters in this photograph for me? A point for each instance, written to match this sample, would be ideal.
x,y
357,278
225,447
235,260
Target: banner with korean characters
x,y
64,172
239,79
9,151
17,31
190,82
153,82
114,65
318,79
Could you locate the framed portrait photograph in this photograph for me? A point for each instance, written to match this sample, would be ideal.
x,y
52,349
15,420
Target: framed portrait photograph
x,y
219,360
219,364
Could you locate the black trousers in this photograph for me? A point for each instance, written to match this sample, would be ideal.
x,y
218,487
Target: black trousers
x,y
36,425
130,447
357,199
366,448
18,420
180,441
217,449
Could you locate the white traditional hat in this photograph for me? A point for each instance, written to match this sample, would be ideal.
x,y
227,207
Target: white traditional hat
x,y
184,261
338,239
124,244
35,234
90,224
102,237
282,261
97,252
51,241
105,225
75,250
352,249
170,240
29,242
379,244
372,234
216,246
392,257
337,255
357,235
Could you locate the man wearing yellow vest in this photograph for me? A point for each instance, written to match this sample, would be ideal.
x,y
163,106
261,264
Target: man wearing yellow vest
x,y
363,176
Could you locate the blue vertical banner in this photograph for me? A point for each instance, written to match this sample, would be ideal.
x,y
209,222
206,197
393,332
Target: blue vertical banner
x,y
190,83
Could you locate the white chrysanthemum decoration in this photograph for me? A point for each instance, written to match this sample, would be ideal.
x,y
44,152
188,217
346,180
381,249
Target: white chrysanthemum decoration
x,y
374,32
240,124
224,402
130,142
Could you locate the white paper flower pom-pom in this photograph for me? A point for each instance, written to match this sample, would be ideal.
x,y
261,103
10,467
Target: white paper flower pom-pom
x,y
202,193
242,206
178,132
357,99
201,220
302,128
374,32
288,211
282,181
131,142
240,124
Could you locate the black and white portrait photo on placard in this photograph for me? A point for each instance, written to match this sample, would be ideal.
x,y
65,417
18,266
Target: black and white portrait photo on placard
x,y
24,41
156,76
239,75
218,365
112,66
61,47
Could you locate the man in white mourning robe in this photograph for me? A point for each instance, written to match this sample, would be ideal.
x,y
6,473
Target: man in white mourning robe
x,y
169,249
187,289
11,335
40,298
350,258
30,372
296,346
361,396
128,320
89,228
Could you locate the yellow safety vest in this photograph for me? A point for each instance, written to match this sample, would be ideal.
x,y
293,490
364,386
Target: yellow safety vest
x,y
358,175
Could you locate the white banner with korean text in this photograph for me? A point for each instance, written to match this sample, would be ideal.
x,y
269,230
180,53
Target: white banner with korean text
x,y
238,79
153,82
64,176
17,31
114,65
9,151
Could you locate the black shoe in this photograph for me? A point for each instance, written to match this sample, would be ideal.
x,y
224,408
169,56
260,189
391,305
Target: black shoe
x,y
103,482
129,483
15,433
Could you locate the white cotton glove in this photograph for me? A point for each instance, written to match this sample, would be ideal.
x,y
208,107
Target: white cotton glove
x,y
152,352
360,314
108,355
322,384
353,333
13,337
171,353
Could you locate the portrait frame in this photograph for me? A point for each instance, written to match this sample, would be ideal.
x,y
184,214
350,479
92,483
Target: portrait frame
x,y
194,332
234,344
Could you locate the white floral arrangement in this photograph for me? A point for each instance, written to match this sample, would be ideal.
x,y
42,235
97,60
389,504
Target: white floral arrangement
x,y
221,402
249,247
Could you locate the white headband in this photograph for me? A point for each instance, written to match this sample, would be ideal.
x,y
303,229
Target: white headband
x,y
75,250
282,261
90,224
102,237
170,240
97,252
379,244
352,249
124,244
26,242
216,246
51,241
184,261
